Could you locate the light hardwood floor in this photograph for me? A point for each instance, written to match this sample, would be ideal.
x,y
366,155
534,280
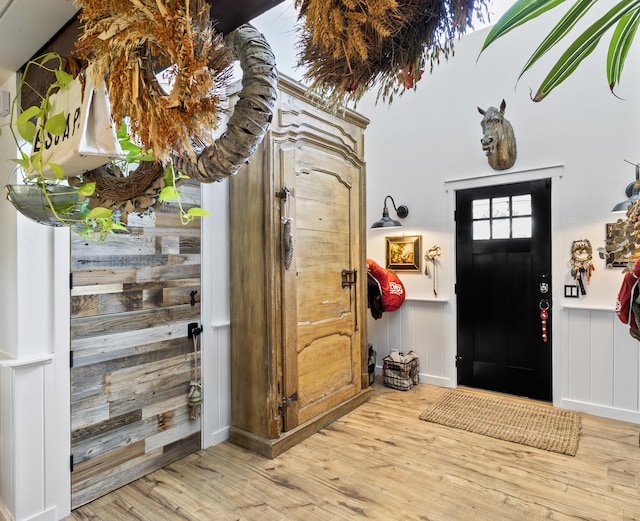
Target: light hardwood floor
x,y
380,462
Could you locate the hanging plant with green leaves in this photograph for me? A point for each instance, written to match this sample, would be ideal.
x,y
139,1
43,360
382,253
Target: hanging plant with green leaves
x,y
125,44
96,203
51,199
623,17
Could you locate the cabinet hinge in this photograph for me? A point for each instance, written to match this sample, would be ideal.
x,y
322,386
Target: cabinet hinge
x,y
286,402
71,359
71,463
70,280
286,192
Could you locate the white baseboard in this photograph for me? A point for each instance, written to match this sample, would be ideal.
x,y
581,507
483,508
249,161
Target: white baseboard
x,y
219,436
601,410
440,381
48,515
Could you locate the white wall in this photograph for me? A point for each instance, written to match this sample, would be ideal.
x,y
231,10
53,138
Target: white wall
x,y
8,256
427,144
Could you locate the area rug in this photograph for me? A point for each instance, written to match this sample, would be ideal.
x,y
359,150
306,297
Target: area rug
x,y
540,426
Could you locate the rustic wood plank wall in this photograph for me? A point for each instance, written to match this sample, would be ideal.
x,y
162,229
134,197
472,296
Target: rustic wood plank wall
x,y
132,361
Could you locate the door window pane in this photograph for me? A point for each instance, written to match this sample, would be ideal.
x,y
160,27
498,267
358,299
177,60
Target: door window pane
x,y
502,218
481,209
500,229
521,227
500,207
521,205
481,230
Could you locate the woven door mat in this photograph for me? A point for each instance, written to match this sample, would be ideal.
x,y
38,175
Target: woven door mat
x,y
540,426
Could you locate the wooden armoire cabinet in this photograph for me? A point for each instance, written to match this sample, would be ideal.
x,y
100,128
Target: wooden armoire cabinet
x,y
298,276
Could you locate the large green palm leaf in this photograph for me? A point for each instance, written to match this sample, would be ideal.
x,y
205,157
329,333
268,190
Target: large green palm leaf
x,y
626,14
621,41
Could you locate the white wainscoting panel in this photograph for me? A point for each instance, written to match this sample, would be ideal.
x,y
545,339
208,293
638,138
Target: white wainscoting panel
x,y
216,414
597,366
216,404
23,423
419,326
602,372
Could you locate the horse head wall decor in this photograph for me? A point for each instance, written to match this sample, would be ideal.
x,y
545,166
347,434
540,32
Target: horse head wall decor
x,y
498,140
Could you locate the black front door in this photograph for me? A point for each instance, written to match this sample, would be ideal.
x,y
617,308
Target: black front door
x,y
503,267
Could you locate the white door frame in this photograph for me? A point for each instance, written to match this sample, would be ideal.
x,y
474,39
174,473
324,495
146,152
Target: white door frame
x,y
554,172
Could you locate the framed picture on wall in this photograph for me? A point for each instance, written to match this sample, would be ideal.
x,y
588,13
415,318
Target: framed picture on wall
x,y
403,253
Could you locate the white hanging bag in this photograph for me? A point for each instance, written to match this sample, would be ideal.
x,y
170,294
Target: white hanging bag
x,y
89,139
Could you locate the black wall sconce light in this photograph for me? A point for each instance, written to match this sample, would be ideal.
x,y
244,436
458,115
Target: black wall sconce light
x,y
632,191
386,222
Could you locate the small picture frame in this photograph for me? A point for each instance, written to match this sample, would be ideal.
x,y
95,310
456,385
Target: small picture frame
x,y
403,252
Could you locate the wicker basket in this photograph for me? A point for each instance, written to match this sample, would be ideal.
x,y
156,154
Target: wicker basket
x,y
402,375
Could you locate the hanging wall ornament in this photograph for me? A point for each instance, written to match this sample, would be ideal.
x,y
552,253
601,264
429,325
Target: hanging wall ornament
x,y
581,263
287,229
498,140
432,255
195,398
195,385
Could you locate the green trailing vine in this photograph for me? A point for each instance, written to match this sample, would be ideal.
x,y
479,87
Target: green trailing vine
x,y
170,192
76,197
96,223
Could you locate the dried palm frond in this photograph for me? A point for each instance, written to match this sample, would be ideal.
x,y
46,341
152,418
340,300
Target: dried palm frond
x,y
127,41
350,46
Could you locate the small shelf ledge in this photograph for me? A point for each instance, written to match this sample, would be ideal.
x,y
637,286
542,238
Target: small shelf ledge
x,y
427,299
586,307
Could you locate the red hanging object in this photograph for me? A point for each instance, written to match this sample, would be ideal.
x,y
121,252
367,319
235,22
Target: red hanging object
x,y
391,287
544,316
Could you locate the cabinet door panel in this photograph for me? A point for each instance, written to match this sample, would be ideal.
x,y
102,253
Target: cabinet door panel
x,y
323,216
314,249
325,375
327,342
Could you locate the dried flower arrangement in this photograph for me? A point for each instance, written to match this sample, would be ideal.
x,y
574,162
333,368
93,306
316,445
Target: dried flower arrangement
x,y
350,46
128,41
